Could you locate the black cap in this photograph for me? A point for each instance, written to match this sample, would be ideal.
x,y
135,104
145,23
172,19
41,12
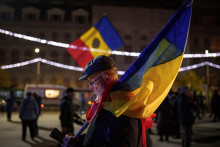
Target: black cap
x,y
100,63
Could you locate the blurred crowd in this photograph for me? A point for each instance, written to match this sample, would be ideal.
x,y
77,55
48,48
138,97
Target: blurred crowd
x,y
175,116
179,110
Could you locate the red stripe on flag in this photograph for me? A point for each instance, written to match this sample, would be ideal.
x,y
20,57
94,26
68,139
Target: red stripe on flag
x,y
82,57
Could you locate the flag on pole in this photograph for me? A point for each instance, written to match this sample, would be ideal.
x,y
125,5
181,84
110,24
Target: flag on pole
x,y
149,79
100,39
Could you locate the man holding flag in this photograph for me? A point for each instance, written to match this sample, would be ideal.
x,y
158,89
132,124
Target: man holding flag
x,y
105,128
123,109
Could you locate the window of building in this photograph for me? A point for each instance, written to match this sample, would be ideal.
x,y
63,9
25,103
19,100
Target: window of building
x,y
30,14
55,17
6,13
128,37
80,19
54,55
66,58
55,14
54,36
5,16
128,59
2,56
15,56
67,37
80,16
42,54
28,54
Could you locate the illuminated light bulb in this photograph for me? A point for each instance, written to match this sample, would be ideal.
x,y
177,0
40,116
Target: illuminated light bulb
x,y
37,50
206,52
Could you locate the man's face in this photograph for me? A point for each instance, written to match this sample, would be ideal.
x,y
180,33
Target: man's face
x,y
97,83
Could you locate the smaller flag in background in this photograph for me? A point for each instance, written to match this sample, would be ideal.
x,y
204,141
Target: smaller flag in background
x,y
100,39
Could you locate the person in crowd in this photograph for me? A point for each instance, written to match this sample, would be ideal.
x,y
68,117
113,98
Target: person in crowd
x,y
201,100
67,112
197,105
175,115
148,138
82,103
186,116
105,128
215,104
38,100
10,105
28,113
164,116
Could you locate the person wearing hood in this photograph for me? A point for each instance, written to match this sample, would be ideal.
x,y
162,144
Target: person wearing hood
x,y
28,113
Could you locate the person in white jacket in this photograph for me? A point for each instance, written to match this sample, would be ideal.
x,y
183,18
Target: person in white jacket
x,y
28,113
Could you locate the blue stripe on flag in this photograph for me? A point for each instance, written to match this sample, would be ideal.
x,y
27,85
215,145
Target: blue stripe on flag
x,y
174,34
109,34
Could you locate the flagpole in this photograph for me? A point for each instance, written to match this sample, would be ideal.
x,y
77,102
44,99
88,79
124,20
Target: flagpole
x,y
85,125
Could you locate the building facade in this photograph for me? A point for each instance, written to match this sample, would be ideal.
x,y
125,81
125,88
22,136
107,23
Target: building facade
x,y
65,22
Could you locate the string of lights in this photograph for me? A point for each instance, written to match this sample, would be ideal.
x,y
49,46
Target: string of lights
x,y
121,53
69,67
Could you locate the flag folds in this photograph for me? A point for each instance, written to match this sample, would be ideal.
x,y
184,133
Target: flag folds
x,y
148,80
100,39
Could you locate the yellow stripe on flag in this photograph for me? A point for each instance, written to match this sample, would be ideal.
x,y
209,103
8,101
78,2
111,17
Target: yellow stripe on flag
x,y
93,36
142,102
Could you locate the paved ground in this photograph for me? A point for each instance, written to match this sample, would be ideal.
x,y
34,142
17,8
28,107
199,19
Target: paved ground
x,y
205,132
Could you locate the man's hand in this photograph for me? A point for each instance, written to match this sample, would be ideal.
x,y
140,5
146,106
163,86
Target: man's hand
x,y
69,141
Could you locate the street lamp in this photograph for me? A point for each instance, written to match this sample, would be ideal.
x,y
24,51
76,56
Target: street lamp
x,y
37,50
206,51
207,80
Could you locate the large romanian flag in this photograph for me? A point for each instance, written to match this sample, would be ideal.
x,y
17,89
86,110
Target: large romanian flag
x,y
100,39
148,80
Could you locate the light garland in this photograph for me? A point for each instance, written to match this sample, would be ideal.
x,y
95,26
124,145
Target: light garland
x,y
199,65
43,61
69,67
121,53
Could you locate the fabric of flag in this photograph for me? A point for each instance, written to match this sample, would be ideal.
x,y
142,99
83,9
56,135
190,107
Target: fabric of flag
x,y
149,79
100,39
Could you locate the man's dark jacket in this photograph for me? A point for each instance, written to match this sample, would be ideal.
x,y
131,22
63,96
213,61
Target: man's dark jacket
x,y
66,112
185,109
109,131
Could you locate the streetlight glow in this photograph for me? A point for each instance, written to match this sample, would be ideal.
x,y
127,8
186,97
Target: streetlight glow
x,y
37,50
206,51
